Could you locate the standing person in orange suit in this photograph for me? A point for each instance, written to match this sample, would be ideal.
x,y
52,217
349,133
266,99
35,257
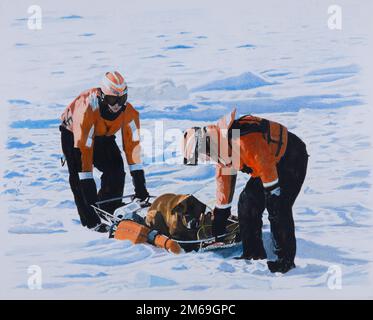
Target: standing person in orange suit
x,y
88,128
276,162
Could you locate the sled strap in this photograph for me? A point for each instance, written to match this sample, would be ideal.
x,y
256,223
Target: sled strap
x,y
151,236
280,143
202,241
166,242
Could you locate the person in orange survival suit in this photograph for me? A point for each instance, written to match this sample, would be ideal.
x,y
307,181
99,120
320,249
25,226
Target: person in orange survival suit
x,y
276,161
88,128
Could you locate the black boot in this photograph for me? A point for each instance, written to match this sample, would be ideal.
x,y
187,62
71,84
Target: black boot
x,y
252,257
280,265
258,254
138,180
220,221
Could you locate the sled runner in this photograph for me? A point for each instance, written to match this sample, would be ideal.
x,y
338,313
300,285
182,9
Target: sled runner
x,y
171,222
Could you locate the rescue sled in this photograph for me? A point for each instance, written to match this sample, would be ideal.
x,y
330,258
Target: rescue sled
x,y
128,223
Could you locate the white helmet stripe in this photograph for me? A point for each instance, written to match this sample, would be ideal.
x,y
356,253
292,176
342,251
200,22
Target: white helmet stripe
x,y
116,77
108,83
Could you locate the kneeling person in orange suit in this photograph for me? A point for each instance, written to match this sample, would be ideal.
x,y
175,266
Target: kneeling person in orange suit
x,y
88,129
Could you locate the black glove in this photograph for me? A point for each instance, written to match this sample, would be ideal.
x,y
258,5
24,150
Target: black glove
x,y
138,180
89,191
220,221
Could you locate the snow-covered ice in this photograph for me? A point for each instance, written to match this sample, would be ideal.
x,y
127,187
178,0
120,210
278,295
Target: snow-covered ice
x,y
188,64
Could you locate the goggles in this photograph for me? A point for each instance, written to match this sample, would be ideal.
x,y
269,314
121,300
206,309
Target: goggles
x,y
113,100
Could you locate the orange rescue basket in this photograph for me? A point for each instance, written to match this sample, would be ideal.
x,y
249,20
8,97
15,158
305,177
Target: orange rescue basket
x,y
138,233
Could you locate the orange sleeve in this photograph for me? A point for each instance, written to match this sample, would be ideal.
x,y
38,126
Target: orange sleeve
x,y
83,130
225,185
131,138
265,163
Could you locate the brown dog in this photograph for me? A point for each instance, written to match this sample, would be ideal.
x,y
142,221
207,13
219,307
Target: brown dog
x,y
176,216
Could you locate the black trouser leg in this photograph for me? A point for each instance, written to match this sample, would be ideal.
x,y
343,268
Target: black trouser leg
x,y
250,210
283,231
87,216
292,171
107,158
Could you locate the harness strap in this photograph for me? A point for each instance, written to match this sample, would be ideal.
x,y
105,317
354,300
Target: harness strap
x,y
165,243
269,138
260,126
280,142
151,236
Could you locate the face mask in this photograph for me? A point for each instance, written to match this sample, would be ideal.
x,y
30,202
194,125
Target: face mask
x,y
111,107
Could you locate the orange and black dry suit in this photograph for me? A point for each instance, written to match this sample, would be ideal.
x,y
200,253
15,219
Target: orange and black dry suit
x,y
88,139
273,158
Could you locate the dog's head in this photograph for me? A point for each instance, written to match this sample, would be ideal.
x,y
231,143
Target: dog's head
x,y
190,212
